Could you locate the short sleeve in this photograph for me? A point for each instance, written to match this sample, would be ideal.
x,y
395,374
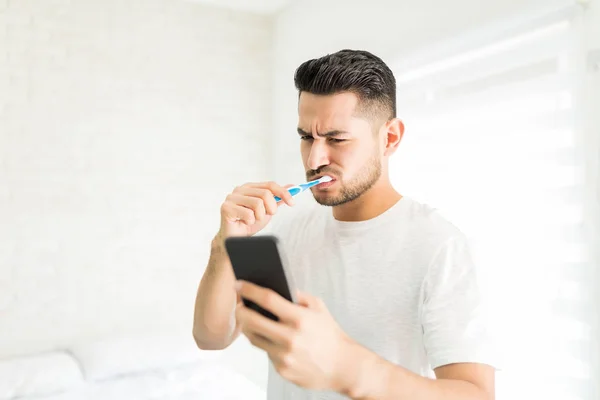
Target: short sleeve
x,y
454,315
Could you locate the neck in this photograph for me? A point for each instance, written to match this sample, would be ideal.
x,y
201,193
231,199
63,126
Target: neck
x,y
375,201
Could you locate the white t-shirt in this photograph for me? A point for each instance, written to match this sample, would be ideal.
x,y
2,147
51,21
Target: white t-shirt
x,y
401,284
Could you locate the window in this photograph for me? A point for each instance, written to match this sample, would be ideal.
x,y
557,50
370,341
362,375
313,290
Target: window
x,y
491,141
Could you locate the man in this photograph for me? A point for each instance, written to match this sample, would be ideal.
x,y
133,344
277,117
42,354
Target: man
x,y
389,306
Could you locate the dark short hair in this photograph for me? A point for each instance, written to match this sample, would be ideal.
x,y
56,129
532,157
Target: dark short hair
x,y
355,71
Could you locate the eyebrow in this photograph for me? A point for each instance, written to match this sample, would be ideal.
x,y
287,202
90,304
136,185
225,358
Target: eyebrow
x,y
326,134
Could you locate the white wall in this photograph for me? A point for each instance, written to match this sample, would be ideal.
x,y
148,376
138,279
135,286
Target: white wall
x,y
122,125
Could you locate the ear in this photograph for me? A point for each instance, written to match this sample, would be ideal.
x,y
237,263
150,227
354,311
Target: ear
x,y
394,131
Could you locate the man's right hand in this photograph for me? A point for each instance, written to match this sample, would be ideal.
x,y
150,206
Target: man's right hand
x,y
249,208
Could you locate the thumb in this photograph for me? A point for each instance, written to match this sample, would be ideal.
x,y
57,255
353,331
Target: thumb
x,y
308,301
279,203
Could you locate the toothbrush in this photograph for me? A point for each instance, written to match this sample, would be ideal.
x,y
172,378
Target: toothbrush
x,y
294,190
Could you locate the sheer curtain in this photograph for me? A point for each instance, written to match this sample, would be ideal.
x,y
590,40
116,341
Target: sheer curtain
x,y
491,141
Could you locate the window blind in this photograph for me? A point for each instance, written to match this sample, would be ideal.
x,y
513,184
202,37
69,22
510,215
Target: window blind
x,y
491,142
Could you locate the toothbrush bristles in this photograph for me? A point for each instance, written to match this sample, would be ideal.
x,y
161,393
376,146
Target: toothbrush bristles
x,y
326,178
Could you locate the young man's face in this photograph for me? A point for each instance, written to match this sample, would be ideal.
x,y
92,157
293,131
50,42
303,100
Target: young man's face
x,y
336,141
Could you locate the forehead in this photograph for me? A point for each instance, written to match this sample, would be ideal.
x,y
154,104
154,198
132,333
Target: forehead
x,y
331,111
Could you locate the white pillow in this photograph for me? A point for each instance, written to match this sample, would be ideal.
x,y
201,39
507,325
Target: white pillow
x,y
38,375
112,357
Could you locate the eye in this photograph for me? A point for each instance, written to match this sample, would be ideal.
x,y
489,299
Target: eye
x,y
306,137
336,140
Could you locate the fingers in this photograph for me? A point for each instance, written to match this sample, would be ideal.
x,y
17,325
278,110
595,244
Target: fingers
x,y
276,190
255,204
260,341
269,300
261,196
233,212
251,202
257,324
238,299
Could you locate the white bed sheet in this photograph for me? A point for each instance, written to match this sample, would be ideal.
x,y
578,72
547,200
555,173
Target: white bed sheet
x,y
204,381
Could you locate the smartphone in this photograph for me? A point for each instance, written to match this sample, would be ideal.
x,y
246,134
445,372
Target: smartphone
x,y
261,260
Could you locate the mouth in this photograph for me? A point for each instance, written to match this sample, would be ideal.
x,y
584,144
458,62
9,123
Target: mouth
x,y
324,185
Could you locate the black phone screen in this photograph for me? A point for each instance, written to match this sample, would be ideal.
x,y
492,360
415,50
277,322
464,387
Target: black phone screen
x,y
258,259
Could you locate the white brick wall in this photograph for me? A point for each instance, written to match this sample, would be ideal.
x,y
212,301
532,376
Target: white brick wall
x,y
122,125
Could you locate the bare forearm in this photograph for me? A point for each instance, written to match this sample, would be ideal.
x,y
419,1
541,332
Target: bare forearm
x,y
214,326
372,377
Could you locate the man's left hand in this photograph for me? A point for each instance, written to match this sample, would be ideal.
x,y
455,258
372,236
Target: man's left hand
x,y
306,345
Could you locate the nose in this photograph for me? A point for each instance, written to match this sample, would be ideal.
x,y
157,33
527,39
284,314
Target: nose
x,y
318,155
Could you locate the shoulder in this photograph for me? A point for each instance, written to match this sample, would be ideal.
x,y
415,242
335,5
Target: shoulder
x,y
430,225
446,250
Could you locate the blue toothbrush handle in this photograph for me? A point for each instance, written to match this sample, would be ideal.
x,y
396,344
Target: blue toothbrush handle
x,y
293,191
